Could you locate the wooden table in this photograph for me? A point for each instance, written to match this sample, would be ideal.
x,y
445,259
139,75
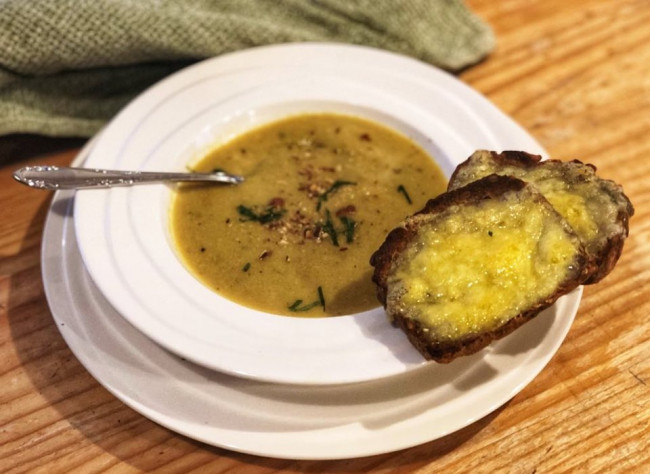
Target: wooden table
x,y
577,76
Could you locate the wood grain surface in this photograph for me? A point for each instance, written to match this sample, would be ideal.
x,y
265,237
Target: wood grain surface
x,y
576,75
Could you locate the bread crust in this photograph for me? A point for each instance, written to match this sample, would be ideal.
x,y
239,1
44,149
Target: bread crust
x,y
490,187
519,159
606,251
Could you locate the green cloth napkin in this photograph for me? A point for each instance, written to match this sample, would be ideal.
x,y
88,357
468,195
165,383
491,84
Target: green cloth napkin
x,y
67,66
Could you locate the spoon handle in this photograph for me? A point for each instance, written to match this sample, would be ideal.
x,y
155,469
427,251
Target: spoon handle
x,y
54,177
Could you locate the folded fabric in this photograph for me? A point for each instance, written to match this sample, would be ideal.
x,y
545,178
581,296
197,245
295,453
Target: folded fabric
x,y
67,66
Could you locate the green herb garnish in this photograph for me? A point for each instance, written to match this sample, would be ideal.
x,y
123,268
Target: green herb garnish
x,y
247,212
321,298
349,225
336,185
329,228
296,305
402,190
269,214
246,267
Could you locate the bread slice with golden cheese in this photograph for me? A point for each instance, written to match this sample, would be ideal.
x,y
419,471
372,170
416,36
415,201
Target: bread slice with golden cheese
x,y
475,264
596,208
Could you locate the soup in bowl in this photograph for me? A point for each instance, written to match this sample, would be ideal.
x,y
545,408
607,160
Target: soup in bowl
x,y
321,192
311,315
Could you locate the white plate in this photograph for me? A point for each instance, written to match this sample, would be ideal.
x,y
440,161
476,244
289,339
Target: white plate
x,y
123,233
290,421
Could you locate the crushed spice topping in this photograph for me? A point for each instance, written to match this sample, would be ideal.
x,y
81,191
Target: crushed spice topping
x,y
319,197
301,225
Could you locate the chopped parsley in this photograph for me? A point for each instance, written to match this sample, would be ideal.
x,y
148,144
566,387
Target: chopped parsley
x,y
335,186
402,189
297,305
268,214
328,227
349,226
321,298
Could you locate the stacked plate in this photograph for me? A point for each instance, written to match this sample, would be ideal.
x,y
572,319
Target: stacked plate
x,y
233,377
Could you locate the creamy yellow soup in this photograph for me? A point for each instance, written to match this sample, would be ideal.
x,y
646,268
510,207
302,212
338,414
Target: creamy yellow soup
x,y
320,195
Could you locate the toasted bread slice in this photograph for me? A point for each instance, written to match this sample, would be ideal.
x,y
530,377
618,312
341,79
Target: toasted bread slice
x,y
596,208
475,264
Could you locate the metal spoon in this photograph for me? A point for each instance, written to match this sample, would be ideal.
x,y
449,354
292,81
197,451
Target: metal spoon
x,y
54,177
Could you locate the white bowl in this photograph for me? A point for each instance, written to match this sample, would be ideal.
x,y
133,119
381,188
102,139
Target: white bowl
x,y
123,233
